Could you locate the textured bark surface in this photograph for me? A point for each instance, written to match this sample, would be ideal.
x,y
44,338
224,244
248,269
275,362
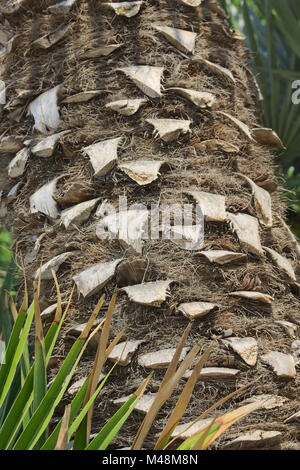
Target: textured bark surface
x,y
192,166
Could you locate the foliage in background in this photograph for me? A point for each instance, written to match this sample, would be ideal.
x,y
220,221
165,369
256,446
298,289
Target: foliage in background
x,y
28,402
8,277
272,29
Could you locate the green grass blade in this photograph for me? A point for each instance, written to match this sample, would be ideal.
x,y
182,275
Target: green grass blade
x,y
10,367
189,443
16,414
76,405
112,427
41,417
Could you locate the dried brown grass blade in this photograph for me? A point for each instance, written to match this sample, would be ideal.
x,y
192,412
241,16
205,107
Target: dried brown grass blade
x,y
209,410
13,308
62,440
99,360
24,306
92,318
183,400
229,419
58,312
164,393
37,315
173,364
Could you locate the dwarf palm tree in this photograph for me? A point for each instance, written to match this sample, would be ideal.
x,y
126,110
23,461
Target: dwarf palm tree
x,y
152,100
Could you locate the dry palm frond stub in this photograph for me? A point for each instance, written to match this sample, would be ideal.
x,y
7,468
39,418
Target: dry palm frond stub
x,y
82,97
93,279
103,155
194,310
215,373
225,73
49,40
53,264
213,205
169,129
13,192
282,364
46,147
45,111
290,327
17,166
201,99
62,7
10,144
283,264
243,128
263,203
143,172
123,352
128,9
270,402
246,348
223,257
247,230
127,107
255,439
180,38
253,296
149,293
143,405
267,137
78,214
191,3
43,201
147,78
159,359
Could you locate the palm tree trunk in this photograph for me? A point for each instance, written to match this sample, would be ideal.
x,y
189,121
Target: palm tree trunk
x,y
178,62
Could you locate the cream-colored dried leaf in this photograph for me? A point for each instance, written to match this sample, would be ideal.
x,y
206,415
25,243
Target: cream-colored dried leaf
x,y
44,110
246,348
127,9
194,310
17,165
147,78
127,107
142,172
267,137
253,296
103,155
93,279
169,129
282,263
78,214
239,124
150,293
160,359
183,40
54,264
247,230
201,99
213,205
42,200
223,257
282,364
263,203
